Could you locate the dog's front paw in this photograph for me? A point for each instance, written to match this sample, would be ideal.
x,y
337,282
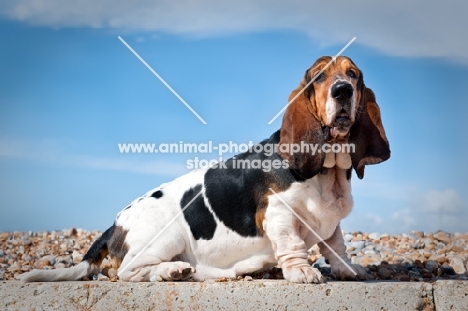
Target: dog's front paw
x,y
303,274
349,272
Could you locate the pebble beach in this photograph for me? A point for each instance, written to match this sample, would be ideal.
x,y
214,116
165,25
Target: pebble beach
x,y
412,257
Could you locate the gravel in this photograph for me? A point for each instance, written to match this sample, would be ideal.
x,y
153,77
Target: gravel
x,y
417,256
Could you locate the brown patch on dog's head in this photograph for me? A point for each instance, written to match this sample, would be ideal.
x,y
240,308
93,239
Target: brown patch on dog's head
x,y
332,104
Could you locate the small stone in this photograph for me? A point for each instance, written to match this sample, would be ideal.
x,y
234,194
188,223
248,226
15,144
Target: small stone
x,y
413,236
110,272
431,265
370,259
248,278
348,237
414,275
418,264
447,270
385,236
70,232
418,244
426,274
374,236
385,273
266,276
356,260
77,257
443,237
457,264
408,261
457,248
439,258
427,254
15,267
357,245
102,277
48,260
67,259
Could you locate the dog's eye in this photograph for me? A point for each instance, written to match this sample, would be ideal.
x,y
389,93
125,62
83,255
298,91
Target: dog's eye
x,y
350,73
320,77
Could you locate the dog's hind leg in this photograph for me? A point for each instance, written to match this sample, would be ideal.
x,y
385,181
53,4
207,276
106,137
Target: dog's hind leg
x,y
157,260
149,268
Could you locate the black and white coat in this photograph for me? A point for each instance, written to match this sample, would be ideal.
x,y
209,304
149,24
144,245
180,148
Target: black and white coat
x,y
226,222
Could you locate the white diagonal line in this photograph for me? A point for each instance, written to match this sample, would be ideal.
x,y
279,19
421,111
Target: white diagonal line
x,y
311,81
313,231
162,80
159,233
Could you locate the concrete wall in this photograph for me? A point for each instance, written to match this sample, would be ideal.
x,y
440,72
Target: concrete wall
x,y
240,295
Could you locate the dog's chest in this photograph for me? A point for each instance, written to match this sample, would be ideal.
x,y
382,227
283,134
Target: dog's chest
x,y
325,199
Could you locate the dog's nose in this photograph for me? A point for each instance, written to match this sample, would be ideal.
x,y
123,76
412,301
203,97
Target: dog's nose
x,y
342,90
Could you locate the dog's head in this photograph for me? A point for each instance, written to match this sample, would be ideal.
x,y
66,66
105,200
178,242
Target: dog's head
x,y
332,104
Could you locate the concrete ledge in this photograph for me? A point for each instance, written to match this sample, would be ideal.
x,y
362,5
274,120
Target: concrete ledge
x,y
451,295
242,295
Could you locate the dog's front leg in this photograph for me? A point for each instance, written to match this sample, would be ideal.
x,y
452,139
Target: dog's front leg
x,y
283,228
341,265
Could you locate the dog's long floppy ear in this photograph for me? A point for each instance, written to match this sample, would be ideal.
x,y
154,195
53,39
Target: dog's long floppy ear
x,y
368,134
301,126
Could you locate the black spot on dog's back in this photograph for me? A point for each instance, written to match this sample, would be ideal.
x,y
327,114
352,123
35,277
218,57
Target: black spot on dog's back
x,y
200,220
157,194
238,196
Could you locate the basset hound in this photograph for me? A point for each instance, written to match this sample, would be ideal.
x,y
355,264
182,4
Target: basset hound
x,y
229,221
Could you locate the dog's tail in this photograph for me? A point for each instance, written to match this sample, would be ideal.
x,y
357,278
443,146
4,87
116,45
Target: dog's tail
x,y
96,253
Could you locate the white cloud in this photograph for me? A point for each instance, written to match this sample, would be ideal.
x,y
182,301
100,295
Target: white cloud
x,y
427,211
447,201
433,210
418,28
404,218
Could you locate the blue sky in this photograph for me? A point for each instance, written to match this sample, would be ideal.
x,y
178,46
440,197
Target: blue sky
x,y
70,91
